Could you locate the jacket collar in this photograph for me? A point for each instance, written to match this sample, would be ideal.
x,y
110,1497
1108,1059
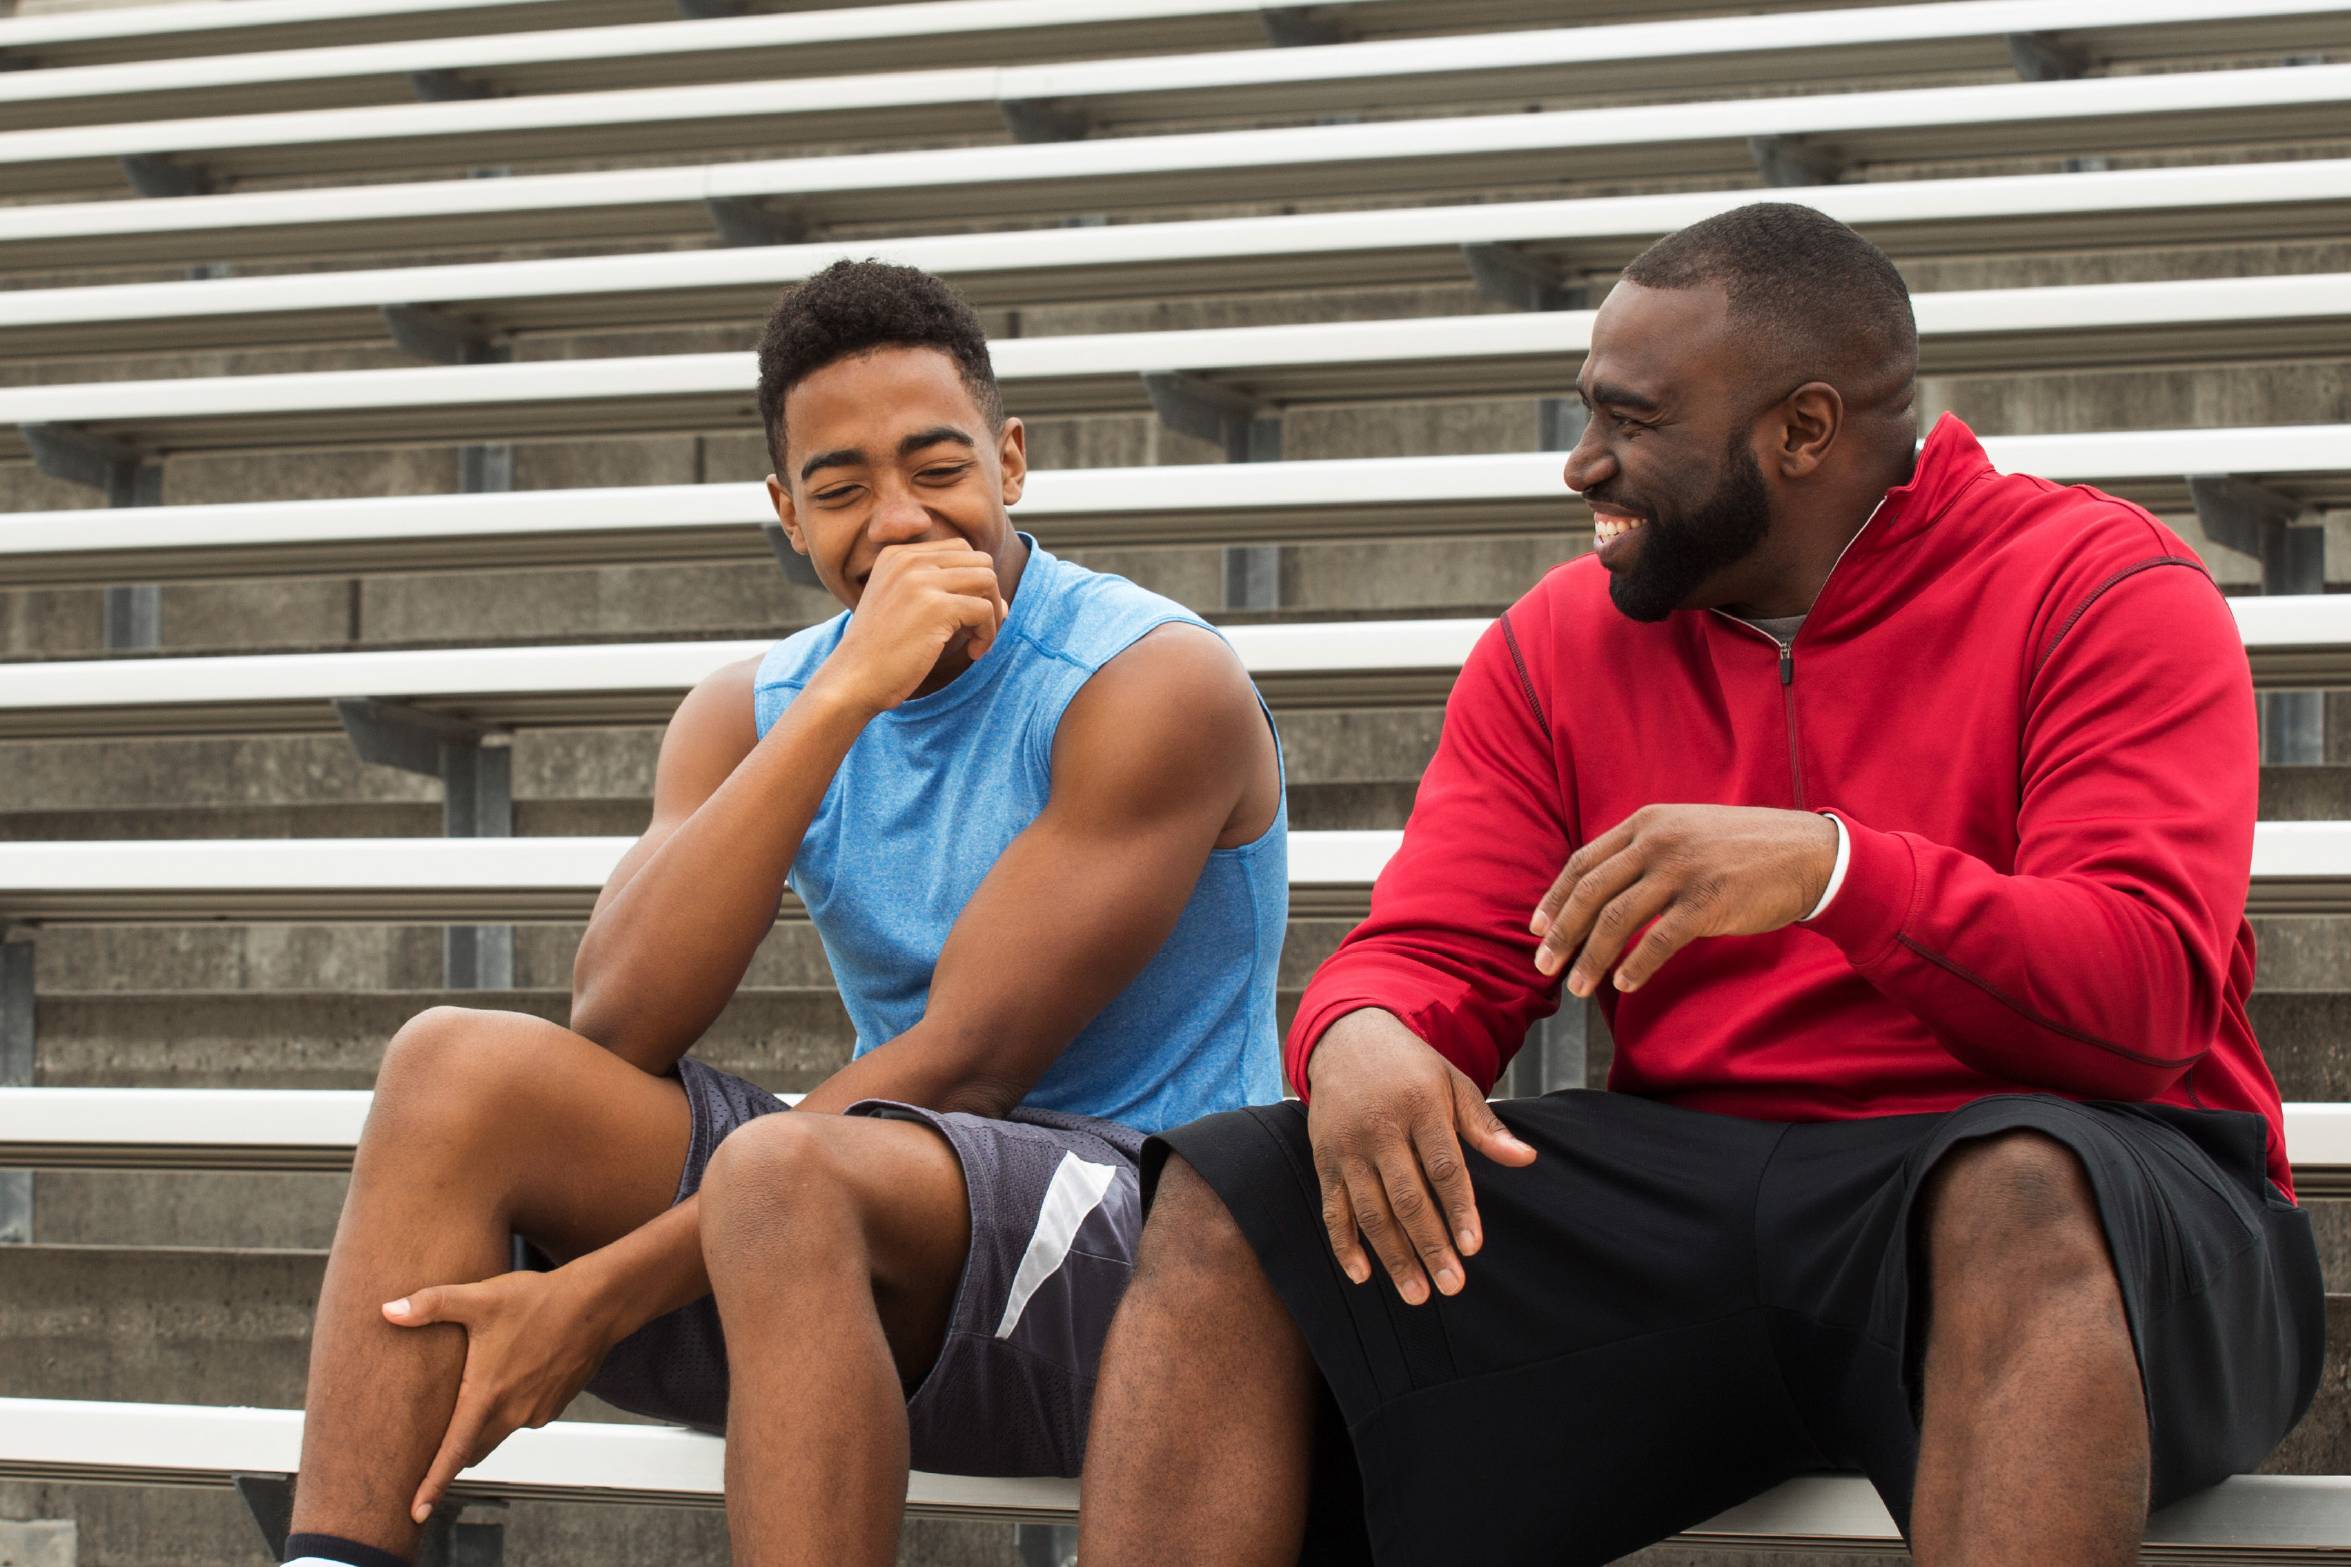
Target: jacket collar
x,y
1949,461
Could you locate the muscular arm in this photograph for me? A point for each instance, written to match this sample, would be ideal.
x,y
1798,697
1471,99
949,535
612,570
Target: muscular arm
x,y
1079,902
1073,910
2098,963
677,924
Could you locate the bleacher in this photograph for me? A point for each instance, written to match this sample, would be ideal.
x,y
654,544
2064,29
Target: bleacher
x,y
378,465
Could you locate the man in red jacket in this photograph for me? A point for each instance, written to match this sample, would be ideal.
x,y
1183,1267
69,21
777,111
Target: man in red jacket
x,y
1900,814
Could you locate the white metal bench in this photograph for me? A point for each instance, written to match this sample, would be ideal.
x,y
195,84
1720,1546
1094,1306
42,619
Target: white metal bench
x,y
183,31
2298,868
1070,508
254,1129
1267,367
765,200
2293,640
1717,52
2254,1518
1803,139
336,72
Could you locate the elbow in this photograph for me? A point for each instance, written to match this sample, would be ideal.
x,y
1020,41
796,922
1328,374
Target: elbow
x,y
604,1024
992,1097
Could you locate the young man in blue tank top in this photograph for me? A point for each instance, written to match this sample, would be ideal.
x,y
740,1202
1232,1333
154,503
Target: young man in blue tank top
x,y
1035,814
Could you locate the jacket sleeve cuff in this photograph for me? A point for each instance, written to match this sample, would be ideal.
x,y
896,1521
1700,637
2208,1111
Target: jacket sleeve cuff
x,y
1872,907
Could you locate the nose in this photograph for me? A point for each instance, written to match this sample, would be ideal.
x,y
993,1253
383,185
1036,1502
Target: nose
x,y
1588,462
898,518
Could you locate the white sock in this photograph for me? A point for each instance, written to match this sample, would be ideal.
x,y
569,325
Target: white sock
x,y
312,1561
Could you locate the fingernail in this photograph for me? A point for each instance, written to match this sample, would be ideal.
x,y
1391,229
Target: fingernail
x,y
1578,986
1413,1291
420,1513
396,1308
1623,983
1540,925
1448,1281
1466,1241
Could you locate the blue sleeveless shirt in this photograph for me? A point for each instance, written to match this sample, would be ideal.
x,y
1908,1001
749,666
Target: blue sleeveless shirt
x,y
933,791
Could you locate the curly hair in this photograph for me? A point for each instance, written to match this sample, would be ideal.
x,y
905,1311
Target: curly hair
x,y
853,307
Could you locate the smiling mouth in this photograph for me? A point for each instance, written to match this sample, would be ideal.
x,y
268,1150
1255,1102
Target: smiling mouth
x,y
1612,525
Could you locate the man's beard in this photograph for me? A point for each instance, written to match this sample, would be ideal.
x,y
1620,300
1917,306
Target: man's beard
x,y
1678,553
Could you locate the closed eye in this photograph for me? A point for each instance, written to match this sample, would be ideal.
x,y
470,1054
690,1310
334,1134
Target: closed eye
x,y
945,473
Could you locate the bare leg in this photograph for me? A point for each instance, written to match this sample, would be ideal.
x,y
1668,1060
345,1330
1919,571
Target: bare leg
x,y
478,1128
834,1245
1204,1416
2033,1440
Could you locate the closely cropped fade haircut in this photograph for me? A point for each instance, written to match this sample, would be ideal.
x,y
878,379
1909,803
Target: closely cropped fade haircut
x,y
1817,299
853,307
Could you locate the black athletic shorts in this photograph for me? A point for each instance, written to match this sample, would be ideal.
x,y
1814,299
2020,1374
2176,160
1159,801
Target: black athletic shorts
x,y
1675,1311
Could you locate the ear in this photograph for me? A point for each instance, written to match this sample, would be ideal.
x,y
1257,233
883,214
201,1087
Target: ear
x,y
781,499
1012,456
1812,417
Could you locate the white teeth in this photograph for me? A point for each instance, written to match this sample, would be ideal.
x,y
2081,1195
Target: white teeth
x,y
1606,528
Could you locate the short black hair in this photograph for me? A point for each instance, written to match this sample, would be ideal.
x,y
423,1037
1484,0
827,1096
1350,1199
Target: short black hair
x,y
1822,301
854,307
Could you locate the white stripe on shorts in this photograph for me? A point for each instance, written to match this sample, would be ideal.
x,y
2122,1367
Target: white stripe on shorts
x,y
1076,1190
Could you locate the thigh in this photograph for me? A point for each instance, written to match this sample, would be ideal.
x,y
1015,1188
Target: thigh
x,y
1054,1215
2218,1275
1604,1378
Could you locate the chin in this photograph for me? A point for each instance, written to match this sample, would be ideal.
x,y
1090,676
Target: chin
x,y
1635,600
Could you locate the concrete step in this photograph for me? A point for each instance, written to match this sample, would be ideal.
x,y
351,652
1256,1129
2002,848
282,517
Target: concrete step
x,y
1346,768
346,959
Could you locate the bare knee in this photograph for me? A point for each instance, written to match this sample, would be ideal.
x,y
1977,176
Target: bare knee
x,y
776,1180
2012,1231
1191,1247
454,1072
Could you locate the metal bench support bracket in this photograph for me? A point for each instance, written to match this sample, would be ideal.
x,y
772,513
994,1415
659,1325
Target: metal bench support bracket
x,y
16,1071
1035,119
466,1534
132,612
2255,520
1783,160
153,174
1248,431
475,765
796,566
2042,57
1298,26
447,86
746,220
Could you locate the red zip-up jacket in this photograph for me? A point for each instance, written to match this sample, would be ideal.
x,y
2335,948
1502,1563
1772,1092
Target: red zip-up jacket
x,y
2032,709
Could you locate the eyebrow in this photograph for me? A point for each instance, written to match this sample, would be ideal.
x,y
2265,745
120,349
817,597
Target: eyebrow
x,y
854,456
1615,396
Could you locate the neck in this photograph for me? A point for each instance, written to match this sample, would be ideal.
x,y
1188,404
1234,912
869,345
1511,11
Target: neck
x,y
1802,568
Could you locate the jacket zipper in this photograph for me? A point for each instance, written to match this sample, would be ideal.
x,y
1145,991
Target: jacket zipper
x,y
1788,659
1788,705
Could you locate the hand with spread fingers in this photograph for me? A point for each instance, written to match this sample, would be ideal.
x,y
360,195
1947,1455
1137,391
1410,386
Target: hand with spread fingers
x,y
1684,871
532,1341
1387,1119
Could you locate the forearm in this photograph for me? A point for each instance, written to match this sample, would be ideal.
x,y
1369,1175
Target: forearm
x,y
649,1272
664,954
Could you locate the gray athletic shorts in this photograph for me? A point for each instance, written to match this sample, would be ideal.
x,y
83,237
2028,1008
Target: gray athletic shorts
x,y
1055,1212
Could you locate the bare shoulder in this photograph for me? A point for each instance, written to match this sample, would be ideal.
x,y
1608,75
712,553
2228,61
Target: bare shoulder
x,y
1177,682
713,730
1173,713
